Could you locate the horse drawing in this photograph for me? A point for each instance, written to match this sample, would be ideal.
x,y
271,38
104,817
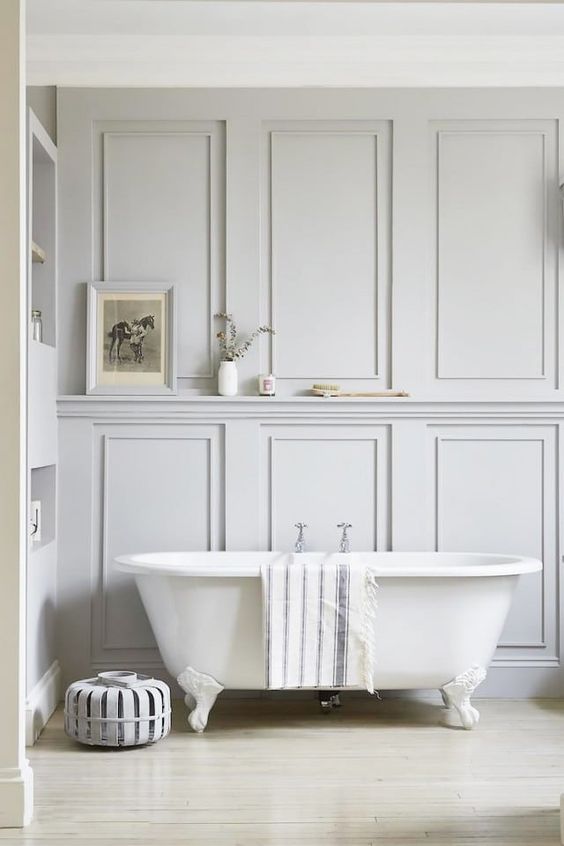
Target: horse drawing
x,y
119,333
134,332
139,330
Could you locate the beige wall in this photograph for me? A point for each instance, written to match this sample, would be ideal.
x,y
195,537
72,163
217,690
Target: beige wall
x,y
15,775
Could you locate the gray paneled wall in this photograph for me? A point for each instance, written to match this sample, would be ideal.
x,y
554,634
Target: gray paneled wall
x,y
395,239
326,231
153,475
495,490
162,195
324,475
496,248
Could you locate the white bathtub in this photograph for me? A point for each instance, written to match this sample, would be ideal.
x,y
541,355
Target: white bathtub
x,y
439,619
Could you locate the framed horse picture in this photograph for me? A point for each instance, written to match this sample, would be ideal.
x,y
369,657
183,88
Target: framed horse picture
x,y
131,338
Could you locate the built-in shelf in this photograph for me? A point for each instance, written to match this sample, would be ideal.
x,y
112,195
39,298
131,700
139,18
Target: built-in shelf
x,y
43,348
44,344
37,547
43,488
42,416
223,409
42,230
42,440
38,255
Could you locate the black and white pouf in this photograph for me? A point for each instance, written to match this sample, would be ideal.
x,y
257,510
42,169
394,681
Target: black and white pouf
x,y
118,708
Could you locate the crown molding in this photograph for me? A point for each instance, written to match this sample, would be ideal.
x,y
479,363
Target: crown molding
x,y
270,61
250,43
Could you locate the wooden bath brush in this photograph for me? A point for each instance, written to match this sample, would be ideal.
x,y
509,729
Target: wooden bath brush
x,y
335,391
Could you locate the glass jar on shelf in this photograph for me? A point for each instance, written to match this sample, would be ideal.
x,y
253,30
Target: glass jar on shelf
x,y
36,325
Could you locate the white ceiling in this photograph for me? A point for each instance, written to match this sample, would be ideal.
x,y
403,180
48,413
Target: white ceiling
x,y
293,43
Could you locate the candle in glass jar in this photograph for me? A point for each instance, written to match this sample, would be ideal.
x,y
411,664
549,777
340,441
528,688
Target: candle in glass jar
x,y
267,385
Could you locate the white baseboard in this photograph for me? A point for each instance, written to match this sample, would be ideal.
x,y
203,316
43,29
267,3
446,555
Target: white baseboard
x,y
16,796
41,703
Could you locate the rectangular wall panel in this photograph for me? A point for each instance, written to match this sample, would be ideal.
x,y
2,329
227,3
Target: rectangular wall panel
x,y
161,214
324,475
495,491
159,491
494,188
326,246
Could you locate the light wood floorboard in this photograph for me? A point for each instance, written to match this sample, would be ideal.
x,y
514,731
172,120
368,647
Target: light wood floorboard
x,y
275,772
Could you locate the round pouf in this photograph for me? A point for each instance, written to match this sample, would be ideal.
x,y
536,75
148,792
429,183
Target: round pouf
x,y
117,709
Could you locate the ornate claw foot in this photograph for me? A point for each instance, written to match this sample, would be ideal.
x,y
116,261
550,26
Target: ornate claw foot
x,y
201,692
328,700
457,693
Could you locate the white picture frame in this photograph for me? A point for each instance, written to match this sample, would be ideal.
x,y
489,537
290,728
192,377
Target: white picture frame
x,y
131,339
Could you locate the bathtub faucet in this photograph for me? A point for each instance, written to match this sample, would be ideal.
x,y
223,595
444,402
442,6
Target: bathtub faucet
x,y
299,545
345,544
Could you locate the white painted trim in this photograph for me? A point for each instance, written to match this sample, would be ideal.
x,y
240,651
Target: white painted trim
x,y
101,637
547,131
545,651
214,132
41,703
219,61
214,409
16,796
234,43
381,132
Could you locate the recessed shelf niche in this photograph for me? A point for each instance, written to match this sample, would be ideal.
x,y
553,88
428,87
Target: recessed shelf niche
x,y
43,488
41,587
38,255
43,228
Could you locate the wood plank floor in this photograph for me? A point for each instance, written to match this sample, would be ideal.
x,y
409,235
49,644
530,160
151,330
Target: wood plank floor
x,y
275,772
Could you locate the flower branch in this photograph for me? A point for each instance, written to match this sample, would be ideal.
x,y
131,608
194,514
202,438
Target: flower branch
x,y
230,345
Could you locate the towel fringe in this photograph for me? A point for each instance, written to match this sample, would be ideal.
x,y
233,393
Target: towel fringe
x,y
369,609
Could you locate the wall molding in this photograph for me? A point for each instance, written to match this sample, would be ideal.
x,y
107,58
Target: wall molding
x,y
214,408
380,131
439,441
547,132
379,437
545,651
41,703
485,60
106,643
212,133
208,135
472,132
102,646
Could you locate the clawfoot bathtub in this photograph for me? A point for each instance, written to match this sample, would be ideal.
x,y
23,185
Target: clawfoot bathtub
x,y
439,619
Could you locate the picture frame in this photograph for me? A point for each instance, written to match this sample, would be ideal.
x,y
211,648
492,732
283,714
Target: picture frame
x,y
131,338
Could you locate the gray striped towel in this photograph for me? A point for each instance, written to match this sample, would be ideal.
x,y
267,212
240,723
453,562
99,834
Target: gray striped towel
x,y
318,623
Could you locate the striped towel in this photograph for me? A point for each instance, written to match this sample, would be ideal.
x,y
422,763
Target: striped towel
x,y
318,623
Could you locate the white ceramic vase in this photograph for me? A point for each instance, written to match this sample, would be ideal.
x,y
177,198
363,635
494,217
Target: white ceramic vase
x,y
227,379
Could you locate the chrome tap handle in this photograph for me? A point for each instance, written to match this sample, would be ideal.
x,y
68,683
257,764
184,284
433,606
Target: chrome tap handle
x,y
299,545
344,545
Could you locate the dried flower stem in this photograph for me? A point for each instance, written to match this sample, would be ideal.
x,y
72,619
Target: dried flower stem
x,y
230,345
